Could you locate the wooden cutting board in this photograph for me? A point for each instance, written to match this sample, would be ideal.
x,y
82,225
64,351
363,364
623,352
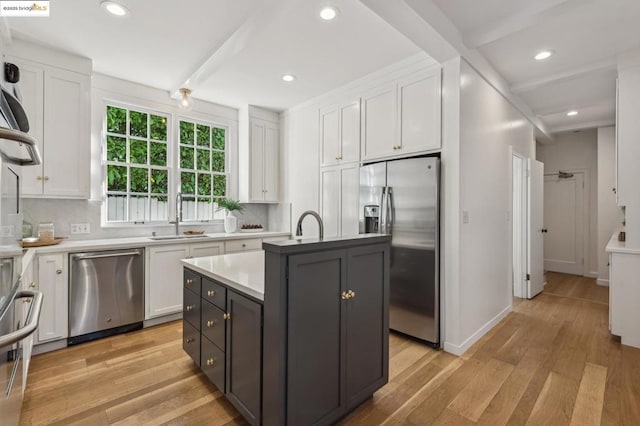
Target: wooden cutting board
x,y
55,241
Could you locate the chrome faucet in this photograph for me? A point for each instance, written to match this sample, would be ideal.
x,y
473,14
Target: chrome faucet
x,y
178,213
318,218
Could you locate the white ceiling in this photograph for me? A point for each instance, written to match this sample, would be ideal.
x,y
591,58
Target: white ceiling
x,y
232,52
586,35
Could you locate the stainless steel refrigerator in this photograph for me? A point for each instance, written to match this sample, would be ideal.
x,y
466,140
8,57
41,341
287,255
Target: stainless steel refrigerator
x,y
401,198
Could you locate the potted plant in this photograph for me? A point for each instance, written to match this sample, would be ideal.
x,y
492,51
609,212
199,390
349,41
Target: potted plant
x,y
230,221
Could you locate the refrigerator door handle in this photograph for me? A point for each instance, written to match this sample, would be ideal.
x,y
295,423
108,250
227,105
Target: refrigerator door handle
x,y
382,227
390,215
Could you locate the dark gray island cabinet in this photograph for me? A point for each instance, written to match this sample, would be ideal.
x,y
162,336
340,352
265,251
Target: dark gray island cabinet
x,y
294,335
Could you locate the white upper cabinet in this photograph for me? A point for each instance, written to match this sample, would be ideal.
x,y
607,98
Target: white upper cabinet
x,y
340,133
402,117
57,102
379,122
419,104
259,156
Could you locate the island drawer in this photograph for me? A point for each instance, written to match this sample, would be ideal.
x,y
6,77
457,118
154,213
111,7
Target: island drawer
x,y
214,293
243,245
213,324
191,310
191,341
192,281
213,363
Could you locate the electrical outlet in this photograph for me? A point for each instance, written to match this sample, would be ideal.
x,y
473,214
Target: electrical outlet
x,y
6,231
80,228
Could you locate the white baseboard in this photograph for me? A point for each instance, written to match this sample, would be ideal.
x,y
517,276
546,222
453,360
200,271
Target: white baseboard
x,y
591,275
49,346
462,348
602,282
161,320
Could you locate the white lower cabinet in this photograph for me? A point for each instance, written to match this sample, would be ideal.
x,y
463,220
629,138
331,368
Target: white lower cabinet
x,y
164,275
28,283
340,199
624,292
52,281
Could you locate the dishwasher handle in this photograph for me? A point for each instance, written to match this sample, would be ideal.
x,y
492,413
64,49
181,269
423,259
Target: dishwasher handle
x,y
101,256
32,318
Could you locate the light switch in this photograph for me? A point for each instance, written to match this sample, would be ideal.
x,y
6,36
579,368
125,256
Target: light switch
x,y
465,216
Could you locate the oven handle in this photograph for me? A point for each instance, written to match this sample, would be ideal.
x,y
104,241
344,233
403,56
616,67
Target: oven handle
x,y
31,324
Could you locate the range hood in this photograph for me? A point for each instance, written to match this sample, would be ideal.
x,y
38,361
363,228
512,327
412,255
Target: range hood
x,y
17,147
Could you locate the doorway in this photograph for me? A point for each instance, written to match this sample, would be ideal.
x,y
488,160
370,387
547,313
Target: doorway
x,y
564,208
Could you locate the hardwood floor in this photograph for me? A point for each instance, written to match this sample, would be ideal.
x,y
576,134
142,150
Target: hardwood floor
x,y
550,361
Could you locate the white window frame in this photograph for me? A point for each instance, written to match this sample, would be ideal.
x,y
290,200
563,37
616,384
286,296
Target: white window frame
x,y
174,116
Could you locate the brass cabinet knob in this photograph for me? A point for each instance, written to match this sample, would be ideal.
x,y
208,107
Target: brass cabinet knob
x,y
227,316
27,300
190,307
58,271
32,284
189,281
39,177
344,295
190,340
352,294
211,323
211,293
211,361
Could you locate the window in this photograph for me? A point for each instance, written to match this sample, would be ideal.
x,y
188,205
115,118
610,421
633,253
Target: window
x,y
202,168
137,172
147,162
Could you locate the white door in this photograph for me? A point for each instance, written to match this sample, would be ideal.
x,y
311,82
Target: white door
x,y
564,222
535,263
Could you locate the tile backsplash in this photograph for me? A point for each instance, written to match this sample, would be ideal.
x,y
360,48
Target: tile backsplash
x,y
65,212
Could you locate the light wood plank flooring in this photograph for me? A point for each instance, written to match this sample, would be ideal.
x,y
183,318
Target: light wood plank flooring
x,y
551,361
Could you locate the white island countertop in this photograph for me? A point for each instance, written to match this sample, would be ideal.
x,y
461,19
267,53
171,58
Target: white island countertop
x,y
243,272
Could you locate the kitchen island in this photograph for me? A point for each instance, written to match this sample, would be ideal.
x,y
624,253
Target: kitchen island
x,y
296,334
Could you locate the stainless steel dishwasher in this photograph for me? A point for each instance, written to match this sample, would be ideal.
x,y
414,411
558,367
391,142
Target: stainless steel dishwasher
x,y
105,294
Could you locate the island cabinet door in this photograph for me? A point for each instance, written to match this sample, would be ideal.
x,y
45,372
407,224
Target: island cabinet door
x,y
316,311
367,349
244,355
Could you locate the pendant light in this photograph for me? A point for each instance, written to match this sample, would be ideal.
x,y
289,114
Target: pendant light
x,y
185,103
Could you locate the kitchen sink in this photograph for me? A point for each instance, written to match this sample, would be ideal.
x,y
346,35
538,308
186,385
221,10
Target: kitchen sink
x,y
177,237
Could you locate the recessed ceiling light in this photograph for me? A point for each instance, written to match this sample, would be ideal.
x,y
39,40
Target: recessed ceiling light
x,y
572,113
288,78
114,8
543,54
328,13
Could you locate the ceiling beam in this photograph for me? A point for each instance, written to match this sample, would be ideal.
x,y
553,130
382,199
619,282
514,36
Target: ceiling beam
x,y
609,64
584,106
537,11
230,45
584,125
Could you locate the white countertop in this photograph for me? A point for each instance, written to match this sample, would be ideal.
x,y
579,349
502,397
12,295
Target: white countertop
x,y
240,271
117,243
615,246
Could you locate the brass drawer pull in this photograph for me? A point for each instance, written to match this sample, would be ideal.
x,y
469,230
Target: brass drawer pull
x,y
211,323
211,361
32,284
211,293
189,281
346,295
227,316
191,340
190,307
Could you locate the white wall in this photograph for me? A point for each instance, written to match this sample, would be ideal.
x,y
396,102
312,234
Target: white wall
x,y
479,293
610,216
577,151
